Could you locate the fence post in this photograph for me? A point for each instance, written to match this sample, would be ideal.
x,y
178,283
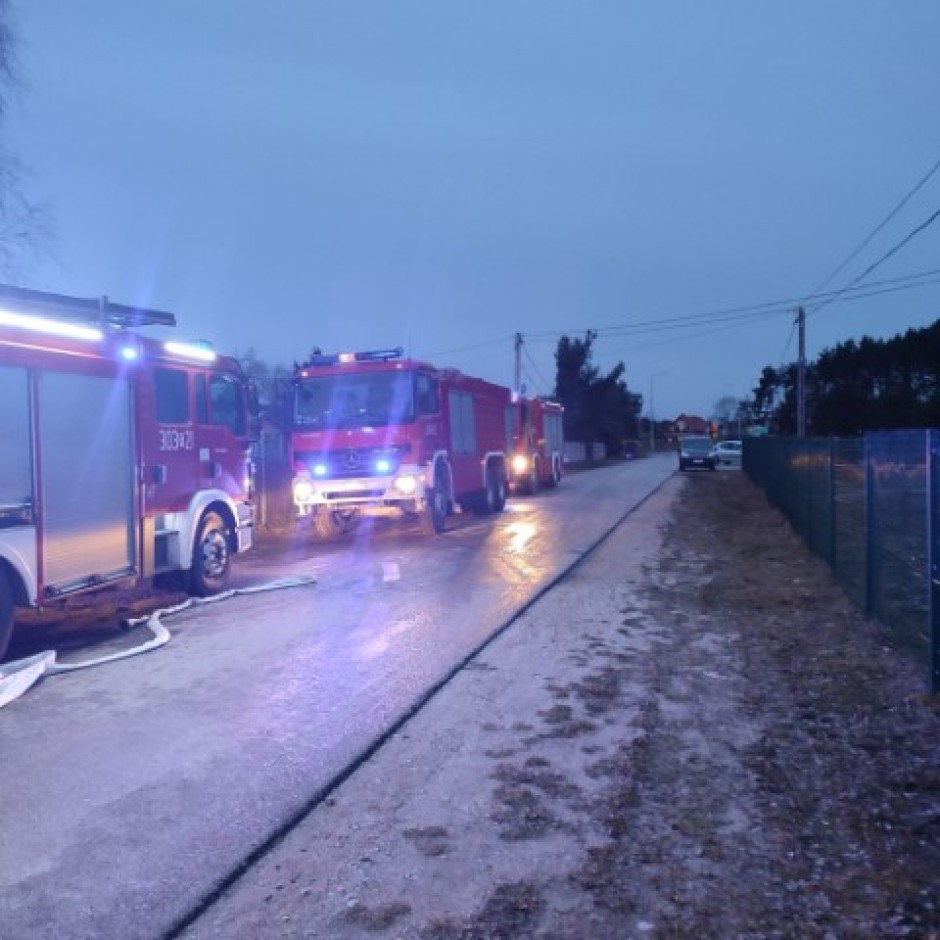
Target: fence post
x,y
869,530
832,505
933,560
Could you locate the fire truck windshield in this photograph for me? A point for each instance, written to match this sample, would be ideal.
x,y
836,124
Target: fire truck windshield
x,y
355,400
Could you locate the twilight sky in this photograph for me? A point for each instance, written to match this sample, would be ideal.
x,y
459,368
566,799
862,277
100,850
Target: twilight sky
x,y
358,174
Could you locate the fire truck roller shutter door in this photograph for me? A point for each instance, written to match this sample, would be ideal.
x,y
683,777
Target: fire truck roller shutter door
x,y
87,486
16,473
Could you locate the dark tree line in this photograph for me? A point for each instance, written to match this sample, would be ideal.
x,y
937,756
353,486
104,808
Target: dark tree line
x,y
859,386
597,407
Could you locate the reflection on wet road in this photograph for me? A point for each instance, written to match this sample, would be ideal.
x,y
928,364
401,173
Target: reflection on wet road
x,y
158,775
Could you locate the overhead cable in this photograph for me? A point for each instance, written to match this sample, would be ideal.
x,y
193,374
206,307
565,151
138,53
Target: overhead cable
x,y
868,239
755,312
889,253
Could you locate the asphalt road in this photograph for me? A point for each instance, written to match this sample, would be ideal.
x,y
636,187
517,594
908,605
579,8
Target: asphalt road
x,y
132,791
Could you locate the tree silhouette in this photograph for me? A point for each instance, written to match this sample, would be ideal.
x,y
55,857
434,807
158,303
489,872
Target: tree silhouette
x,y
597,407
860,386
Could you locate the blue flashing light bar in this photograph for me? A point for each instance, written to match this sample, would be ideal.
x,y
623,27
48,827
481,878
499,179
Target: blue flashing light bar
x,y
372,355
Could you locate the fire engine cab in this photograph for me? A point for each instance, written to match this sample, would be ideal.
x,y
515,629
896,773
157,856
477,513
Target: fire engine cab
x,y
377,434
123,457
538,452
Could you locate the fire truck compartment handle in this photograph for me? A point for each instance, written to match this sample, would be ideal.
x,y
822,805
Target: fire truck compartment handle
x,y
158,473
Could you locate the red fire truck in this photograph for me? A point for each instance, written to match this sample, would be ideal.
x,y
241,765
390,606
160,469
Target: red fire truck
x,y
122,458
377,434
538,452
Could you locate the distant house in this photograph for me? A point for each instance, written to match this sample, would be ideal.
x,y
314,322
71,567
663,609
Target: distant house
x,y
690,424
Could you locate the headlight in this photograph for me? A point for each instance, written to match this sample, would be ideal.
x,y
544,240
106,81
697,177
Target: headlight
x,y
406,485
303,491
520,463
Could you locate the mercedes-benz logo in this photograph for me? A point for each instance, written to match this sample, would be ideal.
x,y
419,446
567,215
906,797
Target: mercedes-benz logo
x,y
351,459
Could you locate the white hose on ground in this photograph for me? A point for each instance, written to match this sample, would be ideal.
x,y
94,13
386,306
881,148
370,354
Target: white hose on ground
x,y
17,677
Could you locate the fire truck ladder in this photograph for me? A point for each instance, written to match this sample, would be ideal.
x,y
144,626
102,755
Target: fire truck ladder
x,y
92,311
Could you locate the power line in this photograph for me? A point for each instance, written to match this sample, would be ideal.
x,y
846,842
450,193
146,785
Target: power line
x,y
755,312
728,318
461,349
545,384
746,311
786,345
868,239
725,327
891,251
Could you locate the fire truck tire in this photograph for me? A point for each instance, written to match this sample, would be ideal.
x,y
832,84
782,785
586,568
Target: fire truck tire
x,y
535,477
496,483
6,614
434,515
331,523
556,474
212,559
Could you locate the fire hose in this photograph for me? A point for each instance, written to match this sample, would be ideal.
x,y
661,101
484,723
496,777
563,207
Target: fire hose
x,y
19,676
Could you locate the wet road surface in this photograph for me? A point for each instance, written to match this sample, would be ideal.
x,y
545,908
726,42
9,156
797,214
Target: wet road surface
x,y
131,791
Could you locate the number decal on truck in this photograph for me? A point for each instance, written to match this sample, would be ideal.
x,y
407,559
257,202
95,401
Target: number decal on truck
x,y
175,439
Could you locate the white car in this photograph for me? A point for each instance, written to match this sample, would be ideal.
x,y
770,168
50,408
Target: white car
x,y
729,452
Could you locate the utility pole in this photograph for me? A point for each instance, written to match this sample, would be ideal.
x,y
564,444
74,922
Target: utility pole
x,y
801,375
652,420
655,375
517,373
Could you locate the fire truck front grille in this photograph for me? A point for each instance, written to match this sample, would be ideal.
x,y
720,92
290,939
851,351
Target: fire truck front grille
x,y
356,461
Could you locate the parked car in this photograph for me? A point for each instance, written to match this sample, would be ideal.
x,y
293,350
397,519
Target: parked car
x,y
729,452
697,453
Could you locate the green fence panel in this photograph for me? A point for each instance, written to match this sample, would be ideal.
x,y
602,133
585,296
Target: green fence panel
x,y
898,525
849,561
871,508
933,559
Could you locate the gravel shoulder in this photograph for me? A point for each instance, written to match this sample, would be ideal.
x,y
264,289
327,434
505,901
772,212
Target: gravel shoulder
x,y
694,735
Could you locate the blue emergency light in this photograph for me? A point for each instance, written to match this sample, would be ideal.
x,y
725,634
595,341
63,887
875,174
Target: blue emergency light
x,y
372,355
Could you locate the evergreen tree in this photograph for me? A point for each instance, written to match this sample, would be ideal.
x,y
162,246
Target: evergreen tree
x,y
597,407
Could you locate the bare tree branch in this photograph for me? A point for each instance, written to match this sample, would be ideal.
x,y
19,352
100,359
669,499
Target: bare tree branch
x,y
25,226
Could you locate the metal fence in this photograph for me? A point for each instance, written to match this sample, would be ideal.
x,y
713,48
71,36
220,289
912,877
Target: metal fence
x,y
870,507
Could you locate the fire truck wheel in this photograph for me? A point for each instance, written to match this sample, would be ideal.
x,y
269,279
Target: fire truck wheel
x,y
497,482
556,474
535,477
493,498
212,560
6,614
434,515
330,523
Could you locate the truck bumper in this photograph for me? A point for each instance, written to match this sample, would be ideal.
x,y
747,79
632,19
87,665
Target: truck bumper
x,y
404,490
